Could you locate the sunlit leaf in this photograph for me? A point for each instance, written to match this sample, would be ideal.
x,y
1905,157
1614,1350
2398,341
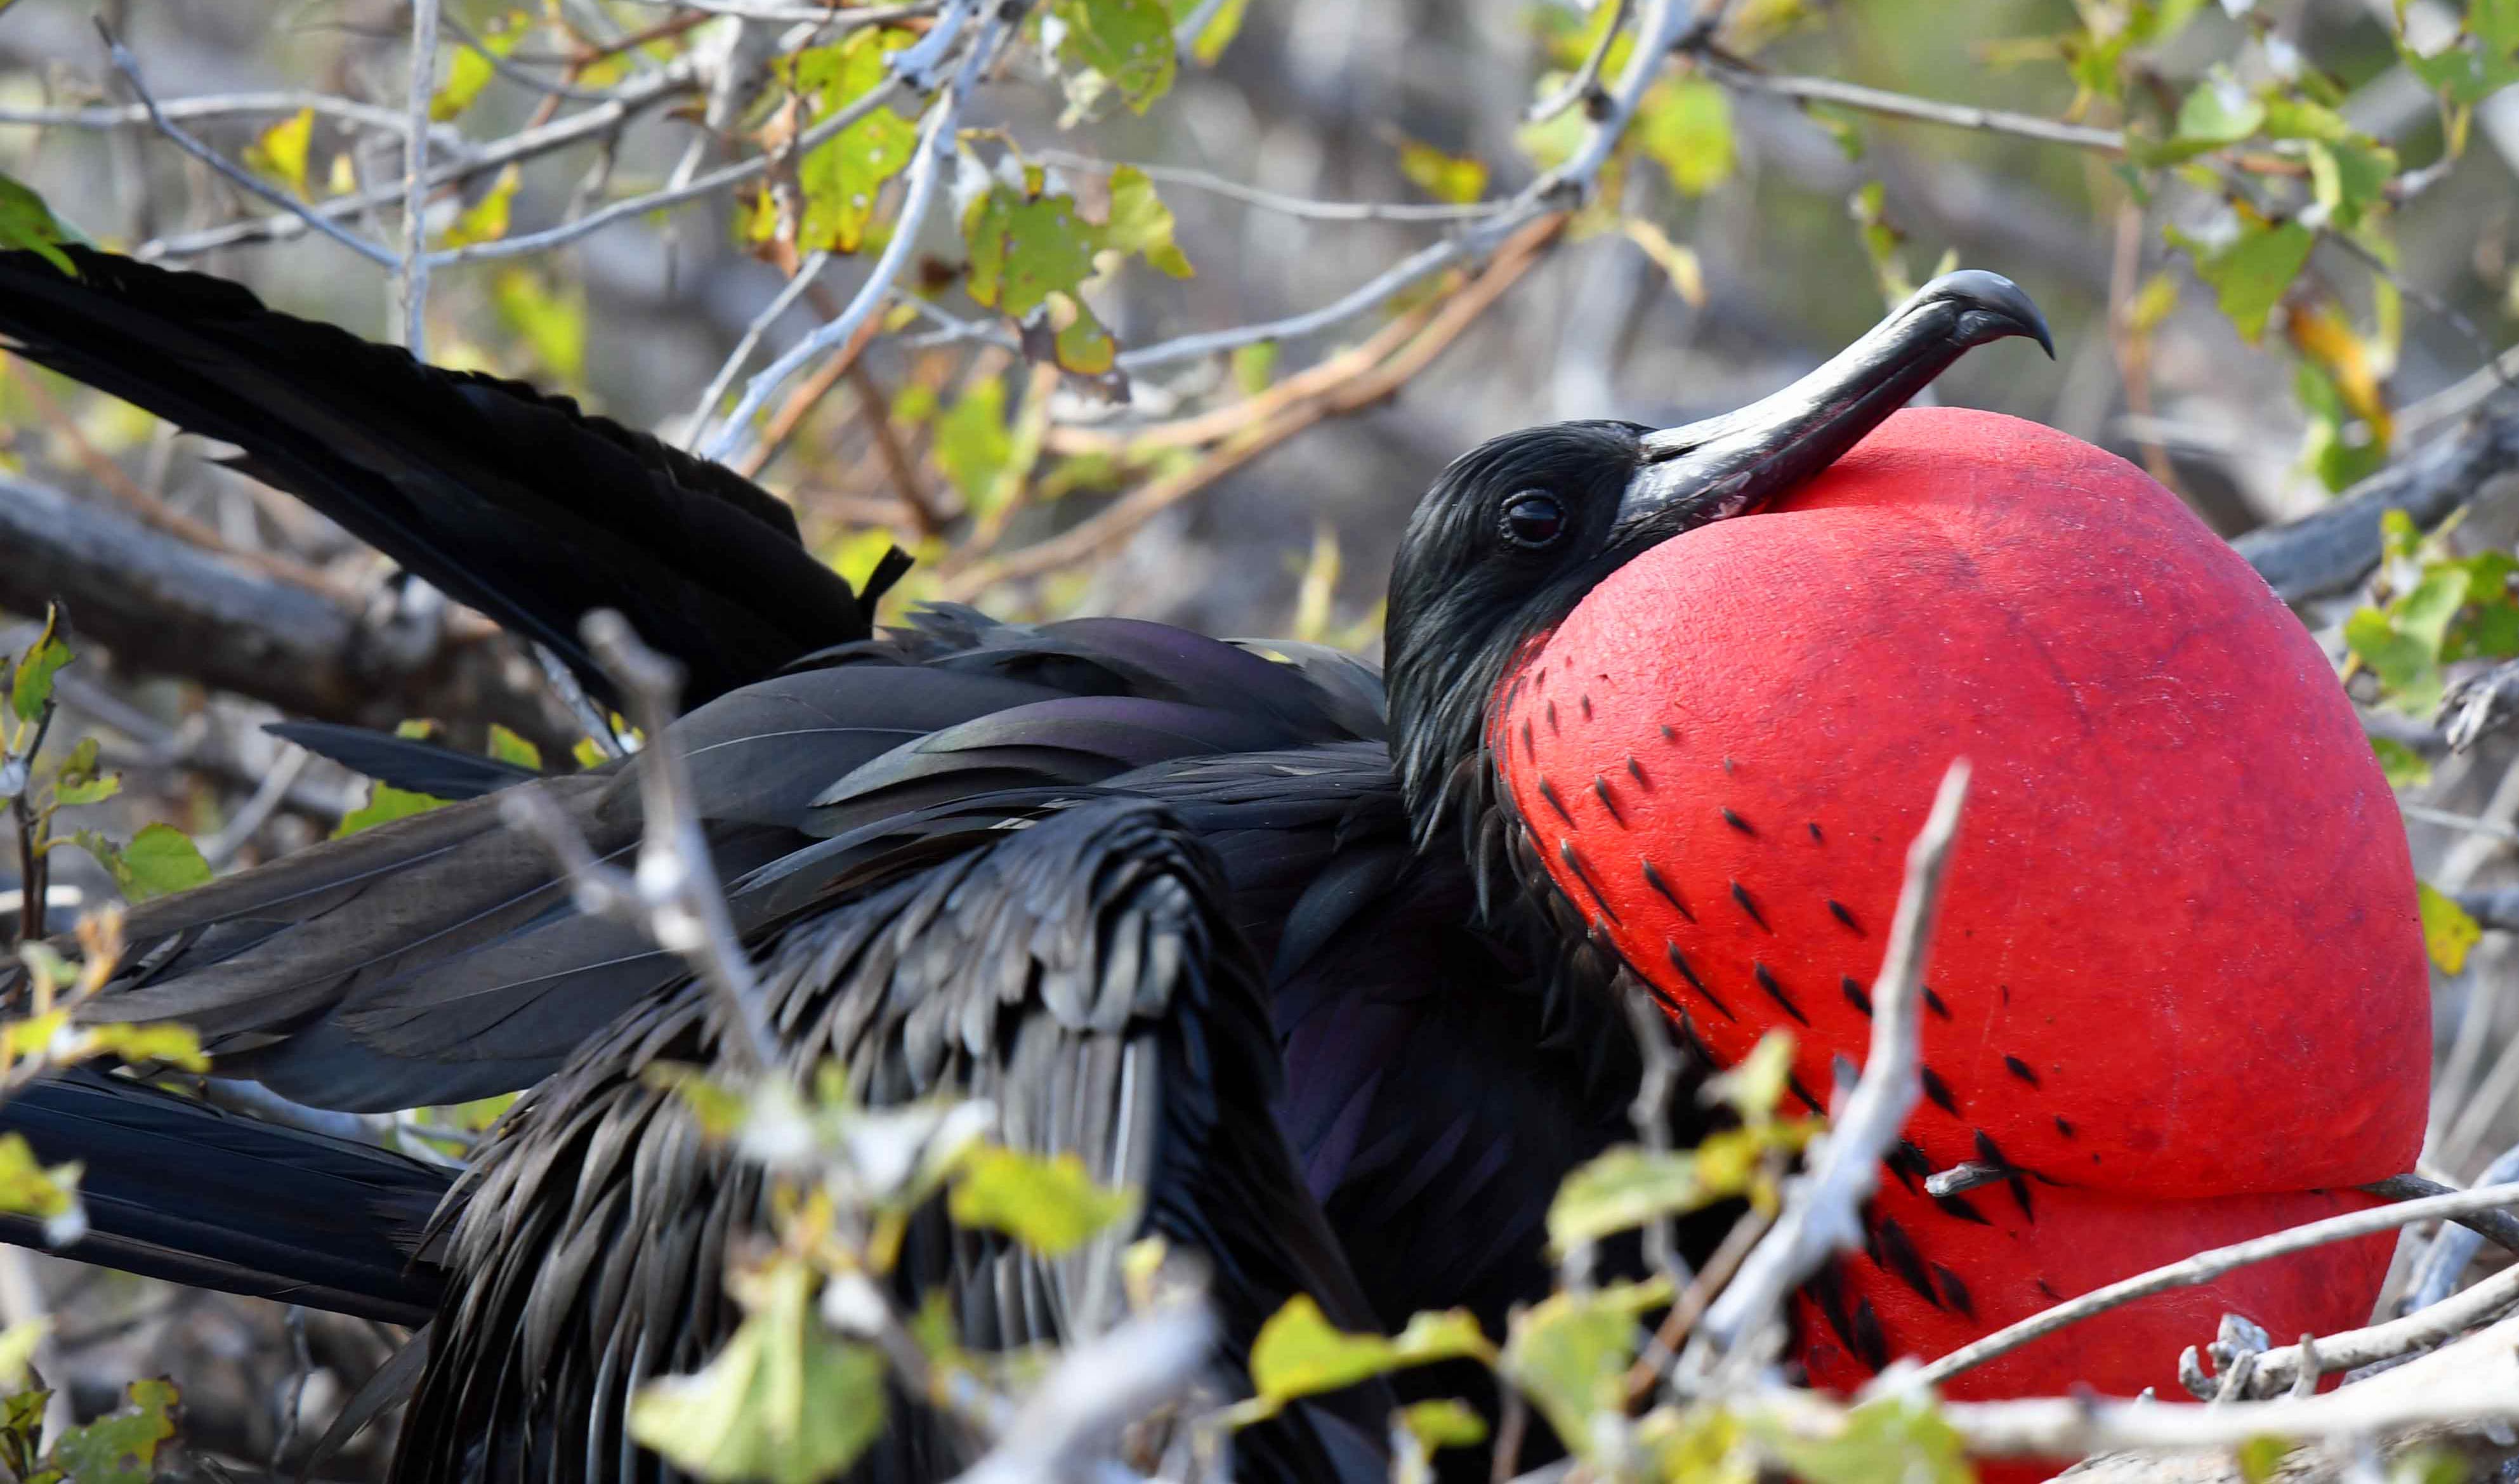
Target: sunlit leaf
x,y
508,747
1455,178
1023,251
468,72
2450,934
17,1345
81,780
1128,42
1757,1083
1569,1353
2219,111
2262,1456
280,151
552,324
49,1195
1050,1206
386,804
786,1401
1901,1437
1299,1353
1683,124
485,220
1446,1422
1141,224
2402,644
26,222
1679,263
843,176
1703,1444
174,1045
1219,30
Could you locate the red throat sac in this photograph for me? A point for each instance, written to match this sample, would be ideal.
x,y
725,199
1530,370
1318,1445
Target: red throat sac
x,y
2177,993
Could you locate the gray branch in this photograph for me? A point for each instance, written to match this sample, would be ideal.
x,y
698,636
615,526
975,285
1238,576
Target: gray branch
x,y
2332,549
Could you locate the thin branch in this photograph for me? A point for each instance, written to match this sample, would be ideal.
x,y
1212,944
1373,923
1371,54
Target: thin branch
x,y
677,76
1921,109
2204,1266
220,106
1584,87
2451,1252
235,174
2278,1371
770,313
2465,823
1097,1388
830,17
1822,1212
412,278
926,171
1300,207
672,895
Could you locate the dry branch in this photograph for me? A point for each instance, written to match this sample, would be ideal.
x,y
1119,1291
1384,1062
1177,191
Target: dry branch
x,y
2332,549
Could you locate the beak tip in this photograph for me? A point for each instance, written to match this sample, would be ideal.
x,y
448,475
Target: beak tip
x,y
1998,298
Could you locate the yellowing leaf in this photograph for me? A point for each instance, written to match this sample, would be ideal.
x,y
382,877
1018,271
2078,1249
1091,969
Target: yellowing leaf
x,y
508,747
843,176
18,1349
1901,1437
174,1045
29,1188
485,220
1684,126
972,443
386,804
1254,365
281,150
1023,251
552,324
1050,1206
468,74
26,222
2449,933
786,1401
122,1446
1299,1353
2261,1456
1454,178
1446,1422
1219,31
1128,42
31,690
1687,275
1757,1083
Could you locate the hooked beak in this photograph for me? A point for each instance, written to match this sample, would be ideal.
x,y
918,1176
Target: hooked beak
x,y
1727,465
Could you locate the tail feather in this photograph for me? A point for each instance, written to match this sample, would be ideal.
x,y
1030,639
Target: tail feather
x,y
255,1208
514,503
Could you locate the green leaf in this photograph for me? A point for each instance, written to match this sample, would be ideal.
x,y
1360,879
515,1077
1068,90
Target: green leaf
x,y
2219,111
2449,933
1445,1422
2403,767
1569,1353
843,177
159,860
79,781
1455,178
1050,1206
1683,124
280,151
2403,645
122,1446
386,804
1254,365
786,1401
32,689
552,324
2259,1456
1701,1444
508,747
972,442
1619,1190
1901,1437
25,222
2482,62
175,1045
1024,250
1126,42
1299,1353
1141,223
2251,273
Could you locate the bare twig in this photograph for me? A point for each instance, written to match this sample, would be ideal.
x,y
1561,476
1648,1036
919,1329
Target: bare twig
x,y
1584,86
227,169
1304,208
266,800
1850,95
830,17
411,277
673,893
2204,1266
1823,1208
770,313
2277,1371
366,115
2453,1250
1098,1387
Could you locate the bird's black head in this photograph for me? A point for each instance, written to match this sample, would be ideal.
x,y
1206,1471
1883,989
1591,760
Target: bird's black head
x,y
1519,529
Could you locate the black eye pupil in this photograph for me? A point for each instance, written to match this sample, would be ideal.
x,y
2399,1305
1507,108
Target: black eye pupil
x,y
1533,519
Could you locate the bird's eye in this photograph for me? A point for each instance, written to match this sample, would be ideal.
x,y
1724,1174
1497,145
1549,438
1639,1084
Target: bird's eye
x,y
1533,520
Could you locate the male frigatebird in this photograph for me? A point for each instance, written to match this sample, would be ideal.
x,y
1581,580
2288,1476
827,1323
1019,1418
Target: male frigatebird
x,y
1224,840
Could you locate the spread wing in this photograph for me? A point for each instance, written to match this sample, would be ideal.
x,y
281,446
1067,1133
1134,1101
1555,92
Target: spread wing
x,y
1081,975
